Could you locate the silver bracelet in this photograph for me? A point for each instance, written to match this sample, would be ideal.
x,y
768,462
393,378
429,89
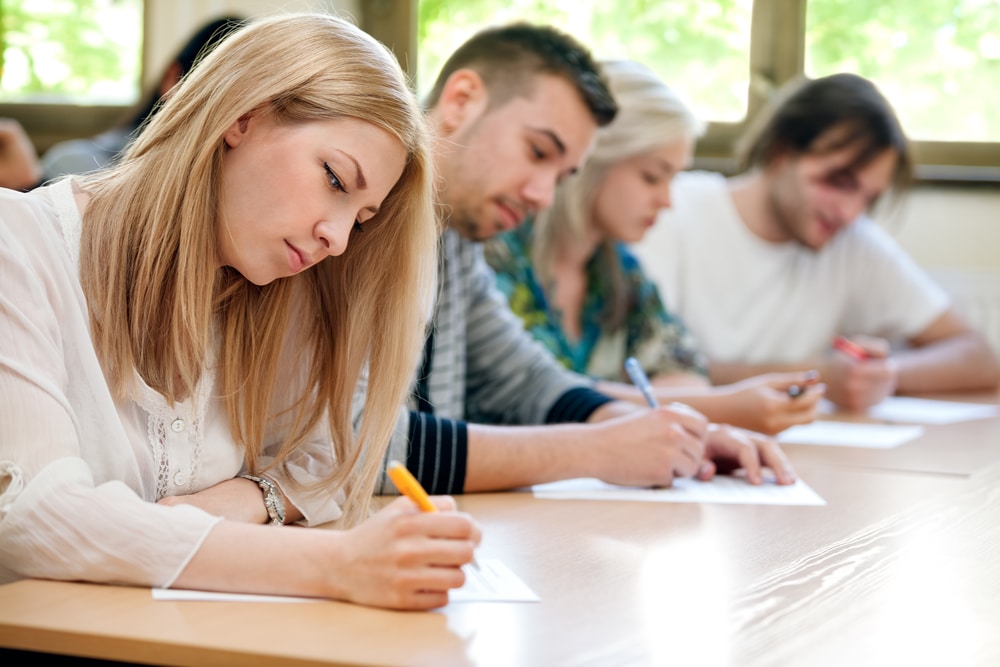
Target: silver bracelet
x,y
273,501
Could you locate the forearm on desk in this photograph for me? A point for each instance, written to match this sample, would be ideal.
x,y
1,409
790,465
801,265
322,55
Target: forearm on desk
x,y
722,373
963,362
508,457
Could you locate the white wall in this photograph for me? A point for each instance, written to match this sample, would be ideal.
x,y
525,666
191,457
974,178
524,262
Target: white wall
x,y
172,22
950,227
954,233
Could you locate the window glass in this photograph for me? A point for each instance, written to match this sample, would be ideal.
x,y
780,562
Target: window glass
x,y
938,61
700,48
70,51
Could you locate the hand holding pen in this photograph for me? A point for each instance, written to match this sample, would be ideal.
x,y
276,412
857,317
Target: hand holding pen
x,y
799,388
860,373
639,379
401,558
851,349
408,485
732,447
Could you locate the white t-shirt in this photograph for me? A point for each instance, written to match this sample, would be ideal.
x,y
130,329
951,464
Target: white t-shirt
x,y
748,300
80,474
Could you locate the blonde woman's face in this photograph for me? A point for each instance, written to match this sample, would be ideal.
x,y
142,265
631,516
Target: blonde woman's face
x,y
635,189
292,194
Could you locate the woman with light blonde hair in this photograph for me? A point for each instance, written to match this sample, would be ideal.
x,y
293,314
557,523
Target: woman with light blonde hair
x,y
182,336
572,279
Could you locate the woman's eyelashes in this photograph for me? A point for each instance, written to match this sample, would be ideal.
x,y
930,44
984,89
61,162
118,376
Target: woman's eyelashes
x,y
333,179
337,184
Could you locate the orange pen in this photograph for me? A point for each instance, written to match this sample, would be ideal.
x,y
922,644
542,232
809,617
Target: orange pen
x,y
408,485
851,348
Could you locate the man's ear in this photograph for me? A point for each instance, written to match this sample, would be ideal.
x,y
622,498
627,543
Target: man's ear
x,y
778,156
170,78
463,99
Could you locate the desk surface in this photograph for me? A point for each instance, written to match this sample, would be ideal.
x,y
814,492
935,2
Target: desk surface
x,y
899,567
962,448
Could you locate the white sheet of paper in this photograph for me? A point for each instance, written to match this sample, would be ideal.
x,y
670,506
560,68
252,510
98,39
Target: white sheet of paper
x,y
909,410
849,434
492,582
721,489
180,594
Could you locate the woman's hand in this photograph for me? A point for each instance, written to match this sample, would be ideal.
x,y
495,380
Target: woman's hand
x,y
764,404
402,558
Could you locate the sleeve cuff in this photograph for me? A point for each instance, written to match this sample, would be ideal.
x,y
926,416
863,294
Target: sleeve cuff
x,y
576,405
438,453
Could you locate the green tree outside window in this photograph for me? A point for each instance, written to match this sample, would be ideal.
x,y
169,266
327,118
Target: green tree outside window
x,y
938,61
79,51
701,48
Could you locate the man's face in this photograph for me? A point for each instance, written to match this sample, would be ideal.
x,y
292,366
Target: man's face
x,y
815,195
500,165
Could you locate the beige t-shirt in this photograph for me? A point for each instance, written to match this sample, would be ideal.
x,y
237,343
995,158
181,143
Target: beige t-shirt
x,y
748,300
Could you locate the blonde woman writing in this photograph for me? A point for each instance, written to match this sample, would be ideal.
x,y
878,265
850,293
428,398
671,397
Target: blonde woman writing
x,y
204,311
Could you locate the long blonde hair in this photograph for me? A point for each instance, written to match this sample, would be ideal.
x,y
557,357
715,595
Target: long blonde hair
x,y
650,114
149,254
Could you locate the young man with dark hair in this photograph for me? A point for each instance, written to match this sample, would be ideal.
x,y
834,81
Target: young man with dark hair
x,y
770,267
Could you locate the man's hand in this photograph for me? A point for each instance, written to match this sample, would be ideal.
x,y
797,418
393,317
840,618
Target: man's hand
x,y
729,448
859,380
651,446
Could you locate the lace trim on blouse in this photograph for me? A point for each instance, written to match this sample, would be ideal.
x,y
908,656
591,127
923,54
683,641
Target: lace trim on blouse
x,y
161,416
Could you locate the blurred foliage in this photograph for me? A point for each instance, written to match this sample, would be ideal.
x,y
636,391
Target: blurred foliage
x,y
57,50
938,61
701,48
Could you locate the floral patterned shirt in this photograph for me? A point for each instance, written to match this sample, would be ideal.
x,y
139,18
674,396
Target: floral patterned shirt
x,y
659,340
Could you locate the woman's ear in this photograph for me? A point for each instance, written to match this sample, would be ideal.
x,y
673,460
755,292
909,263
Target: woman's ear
x,y
237,132
463,99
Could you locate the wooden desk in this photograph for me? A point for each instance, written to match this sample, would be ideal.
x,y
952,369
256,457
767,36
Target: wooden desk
x,y
898,567
919,588
950,449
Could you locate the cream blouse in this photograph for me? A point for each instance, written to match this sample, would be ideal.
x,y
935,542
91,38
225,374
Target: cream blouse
x,y
80,473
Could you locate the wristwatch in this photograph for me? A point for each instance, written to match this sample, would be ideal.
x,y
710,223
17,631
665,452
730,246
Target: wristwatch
x,y
273,501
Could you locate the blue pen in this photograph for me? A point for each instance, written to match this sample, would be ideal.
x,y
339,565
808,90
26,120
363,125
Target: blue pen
x,y
640,380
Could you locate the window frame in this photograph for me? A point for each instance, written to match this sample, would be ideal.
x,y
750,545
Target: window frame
x,y
777,54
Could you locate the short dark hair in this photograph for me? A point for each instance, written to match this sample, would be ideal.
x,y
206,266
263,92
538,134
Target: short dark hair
x,y
207,38
508,57
199,45
806,109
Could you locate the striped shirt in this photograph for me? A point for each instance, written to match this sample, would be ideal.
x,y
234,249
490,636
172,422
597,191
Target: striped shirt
x,y
479,365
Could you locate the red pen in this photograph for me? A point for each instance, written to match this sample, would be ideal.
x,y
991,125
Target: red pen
x,y
851,348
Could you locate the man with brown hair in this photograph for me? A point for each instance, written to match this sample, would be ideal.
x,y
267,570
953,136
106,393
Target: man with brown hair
x,y
769,267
